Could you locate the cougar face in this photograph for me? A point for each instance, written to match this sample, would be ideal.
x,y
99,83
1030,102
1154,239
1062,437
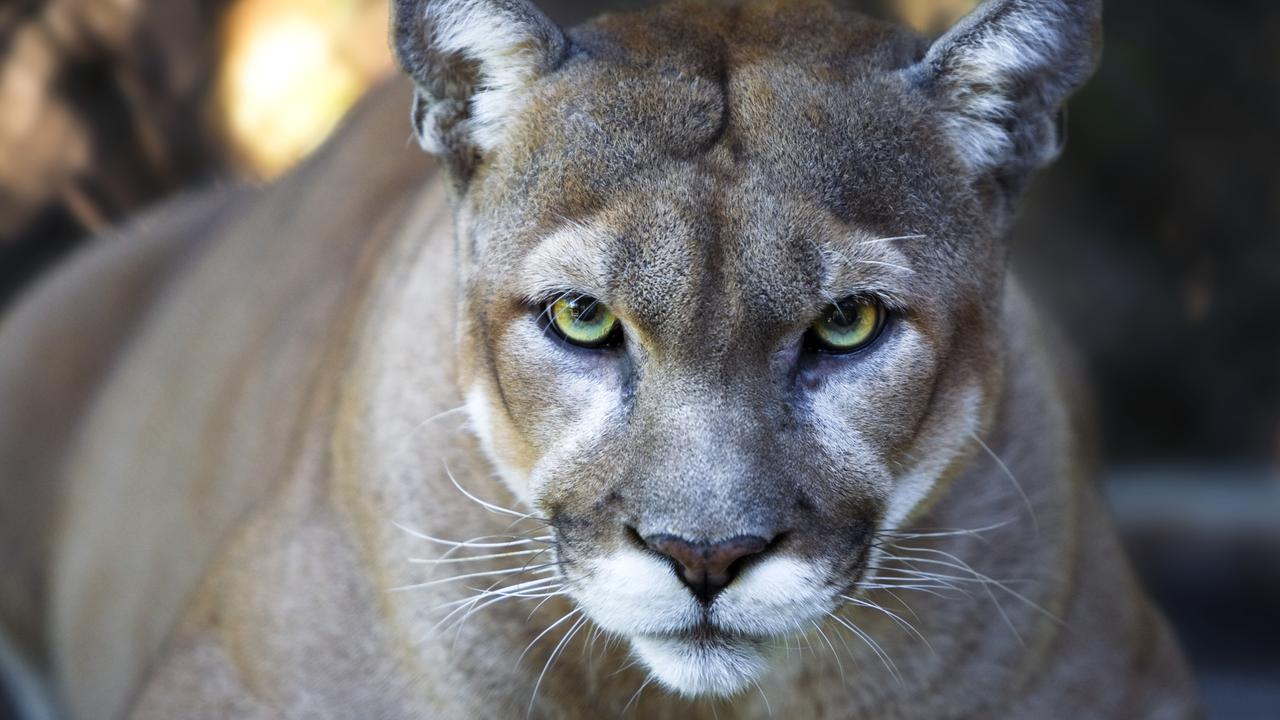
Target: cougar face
x,y
732,279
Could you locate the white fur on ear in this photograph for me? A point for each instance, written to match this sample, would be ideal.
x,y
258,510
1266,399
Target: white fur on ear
x,y
507,58
1002,74
473,62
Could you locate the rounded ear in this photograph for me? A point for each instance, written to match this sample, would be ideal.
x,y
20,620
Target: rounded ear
x,y
1002,75
472,62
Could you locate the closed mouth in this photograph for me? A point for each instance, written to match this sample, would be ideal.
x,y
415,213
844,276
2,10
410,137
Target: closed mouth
x,y
705,633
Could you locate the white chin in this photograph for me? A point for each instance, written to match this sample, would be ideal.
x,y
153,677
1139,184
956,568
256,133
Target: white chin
x,y
718,667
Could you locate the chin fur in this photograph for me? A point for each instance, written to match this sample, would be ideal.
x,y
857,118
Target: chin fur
x,y
704,666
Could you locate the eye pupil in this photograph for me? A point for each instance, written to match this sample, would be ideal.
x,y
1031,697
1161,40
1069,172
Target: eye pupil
x,y
842,317
583,321
846,327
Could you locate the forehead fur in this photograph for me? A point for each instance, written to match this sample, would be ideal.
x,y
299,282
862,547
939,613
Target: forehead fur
x,y
804,95
718,145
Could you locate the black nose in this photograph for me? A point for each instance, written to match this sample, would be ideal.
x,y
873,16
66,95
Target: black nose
x,y
707,568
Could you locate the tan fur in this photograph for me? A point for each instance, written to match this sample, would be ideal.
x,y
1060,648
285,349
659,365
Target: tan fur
x,y
216,424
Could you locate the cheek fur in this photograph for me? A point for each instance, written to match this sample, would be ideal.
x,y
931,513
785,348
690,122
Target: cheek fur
x,y
544,409
864,416
942,446
500,442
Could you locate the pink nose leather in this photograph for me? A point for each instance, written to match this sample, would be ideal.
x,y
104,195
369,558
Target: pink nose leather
x,y
707,568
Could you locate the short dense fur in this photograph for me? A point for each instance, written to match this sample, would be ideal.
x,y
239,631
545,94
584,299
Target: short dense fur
x,y
245,443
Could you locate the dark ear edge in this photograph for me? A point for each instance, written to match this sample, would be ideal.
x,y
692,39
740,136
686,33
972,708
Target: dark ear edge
x,y
1001,77
471,62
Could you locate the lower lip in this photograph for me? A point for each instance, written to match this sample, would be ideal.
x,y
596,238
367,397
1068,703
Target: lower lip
x,y
706,633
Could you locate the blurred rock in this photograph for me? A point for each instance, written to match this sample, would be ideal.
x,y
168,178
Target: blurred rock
x,y
1205,541
102,111
1155,241
290,69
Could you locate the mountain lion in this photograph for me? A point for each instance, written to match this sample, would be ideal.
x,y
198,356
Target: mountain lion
x,y
692,384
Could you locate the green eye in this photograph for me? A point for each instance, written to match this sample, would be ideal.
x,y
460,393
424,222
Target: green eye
x,y
584,321
847,326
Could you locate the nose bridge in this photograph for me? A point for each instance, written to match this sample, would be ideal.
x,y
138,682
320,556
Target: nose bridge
x,y
706,472
703,414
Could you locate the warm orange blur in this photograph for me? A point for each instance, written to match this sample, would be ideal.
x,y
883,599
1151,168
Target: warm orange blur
x,y
291,69
932,16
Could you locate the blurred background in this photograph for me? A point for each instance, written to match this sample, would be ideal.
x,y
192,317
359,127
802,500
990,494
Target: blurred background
x,y
1155,241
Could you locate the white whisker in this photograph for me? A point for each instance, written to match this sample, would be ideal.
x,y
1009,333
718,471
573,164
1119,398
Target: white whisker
x,y
515,539
485,504
573,630
871,643
920,586
768,708
978,578
901,622
834,654
900,268
1035,522
959,564
546,567
925,534
418,428
893,239
474,604
507,591
636,695
475,558
546,630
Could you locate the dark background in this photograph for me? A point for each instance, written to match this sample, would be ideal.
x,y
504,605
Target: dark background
x,y
1154,243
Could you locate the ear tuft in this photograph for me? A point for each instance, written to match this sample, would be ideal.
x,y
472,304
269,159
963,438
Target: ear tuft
x,y
473,62
1002,75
